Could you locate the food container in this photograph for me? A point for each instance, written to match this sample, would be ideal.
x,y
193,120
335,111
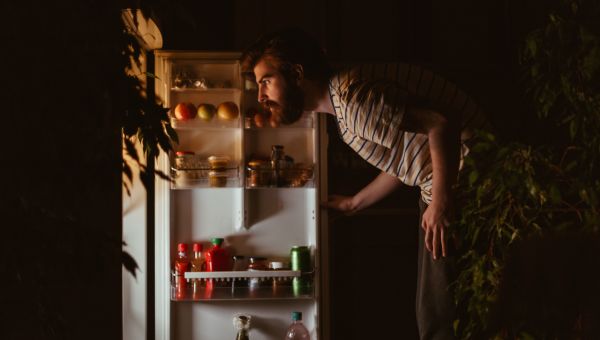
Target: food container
x,y
217,178
257,263
259,173
185,160
218,162
190,175
297,175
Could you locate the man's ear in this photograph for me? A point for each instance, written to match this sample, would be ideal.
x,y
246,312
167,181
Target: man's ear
x,y
298,72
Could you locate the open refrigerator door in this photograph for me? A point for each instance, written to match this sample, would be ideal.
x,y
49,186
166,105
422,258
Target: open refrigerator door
x,y
239,176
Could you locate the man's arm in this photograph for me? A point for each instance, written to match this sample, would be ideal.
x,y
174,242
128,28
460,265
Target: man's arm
x,y
443,132
380,187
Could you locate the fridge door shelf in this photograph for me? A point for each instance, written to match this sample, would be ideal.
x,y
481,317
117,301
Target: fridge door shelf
x,y
215,123
298,176
239,291
205,178
233,275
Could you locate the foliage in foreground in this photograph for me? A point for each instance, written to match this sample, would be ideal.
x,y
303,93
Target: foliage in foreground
x,y
517,192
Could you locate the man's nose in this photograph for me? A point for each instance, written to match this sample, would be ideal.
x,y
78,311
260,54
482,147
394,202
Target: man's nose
x,y
262,97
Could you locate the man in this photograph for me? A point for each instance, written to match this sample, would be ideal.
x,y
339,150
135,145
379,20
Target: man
x,y
410,123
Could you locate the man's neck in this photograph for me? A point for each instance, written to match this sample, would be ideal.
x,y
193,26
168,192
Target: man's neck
x,y
316,97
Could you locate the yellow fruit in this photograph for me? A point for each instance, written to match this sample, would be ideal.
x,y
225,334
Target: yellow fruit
x,y
228,111
206,111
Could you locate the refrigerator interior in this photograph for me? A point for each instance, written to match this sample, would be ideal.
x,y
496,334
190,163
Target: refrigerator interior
x,y
254,218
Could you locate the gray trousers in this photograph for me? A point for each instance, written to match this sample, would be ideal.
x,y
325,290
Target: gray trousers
x,y
435,305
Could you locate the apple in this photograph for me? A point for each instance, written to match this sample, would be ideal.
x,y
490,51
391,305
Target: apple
x,y
185,111
206,111
228,111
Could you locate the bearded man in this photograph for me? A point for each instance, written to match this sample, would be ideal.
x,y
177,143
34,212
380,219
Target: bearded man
x,y
413,125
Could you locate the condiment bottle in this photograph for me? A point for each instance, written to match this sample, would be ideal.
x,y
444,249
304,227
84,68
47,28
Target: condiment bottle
x,y
198,260
217,258
182,261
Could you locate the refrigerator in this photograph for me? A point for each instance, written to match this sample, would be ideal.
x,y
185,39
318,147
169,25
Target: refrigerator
x,y
256,184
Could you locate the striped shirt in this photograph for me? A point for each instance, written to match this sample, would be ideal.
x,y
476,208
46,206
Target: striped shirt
x,y
369,103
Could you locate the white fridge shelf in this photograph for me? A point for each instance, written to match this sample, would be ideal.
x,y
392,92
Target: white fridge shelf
x,y
228,275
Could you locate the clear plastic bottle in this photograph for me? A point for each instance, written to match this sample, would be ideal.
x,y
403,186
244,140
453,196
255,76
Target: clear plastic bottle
x,y
297,330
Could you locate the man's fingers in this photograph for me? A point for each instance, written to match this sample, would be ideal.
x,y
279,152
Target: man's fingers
x,y
443,240
428,236
435,243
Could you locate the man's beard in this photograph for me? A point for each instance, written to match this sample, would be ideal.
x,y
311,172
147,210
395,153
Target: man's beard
x,y
292,106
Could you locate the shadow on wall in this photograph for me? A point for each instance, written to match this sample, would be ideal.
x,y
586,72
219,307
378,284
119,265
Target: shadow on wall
x,y
550,288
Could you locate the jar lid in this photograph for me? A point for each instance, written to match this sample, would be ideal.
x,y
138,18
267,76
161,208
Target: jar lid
x,y
218,159
182,247
276,265
183,153
197,247
254,259
216,241
256,163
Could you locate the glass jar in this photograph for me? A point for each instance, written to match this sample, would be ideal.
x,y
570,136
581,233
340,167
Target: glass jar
x,y
218,162
257,263
258,175
217,178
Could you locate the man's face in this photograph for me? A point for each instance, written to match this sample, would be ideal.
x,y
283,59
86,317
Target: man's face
x,y
277,93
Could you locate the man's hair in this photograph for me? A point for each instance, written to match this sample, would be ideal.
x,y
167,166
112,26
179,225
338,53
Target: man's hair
x,y
288,47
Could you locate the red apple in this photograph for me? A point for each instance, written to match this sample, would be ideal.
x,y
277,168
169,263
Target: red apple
x,y
185,111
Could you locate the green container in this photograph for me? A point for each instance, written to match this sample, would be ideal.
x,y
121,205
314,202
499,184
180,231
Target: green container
x,y
300,258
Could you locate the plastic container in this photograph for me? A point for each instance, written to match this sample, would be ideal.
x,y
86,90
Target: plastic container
x,y
297,330
188,160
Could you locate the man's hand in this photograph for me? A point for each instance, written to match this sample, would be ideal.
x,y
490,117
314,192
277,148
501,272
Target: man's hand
x,y
341,203
436,219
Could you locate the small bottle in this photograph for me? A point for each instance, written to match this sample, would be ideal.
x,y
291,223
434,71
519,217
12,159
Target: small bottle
x,y
297,330
182,261
198,260
217,258
241,323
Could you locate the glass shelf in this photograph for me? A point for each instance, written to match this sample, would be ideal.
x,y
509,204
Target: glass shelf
x,y
186,184
298,176
239,289
198,123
